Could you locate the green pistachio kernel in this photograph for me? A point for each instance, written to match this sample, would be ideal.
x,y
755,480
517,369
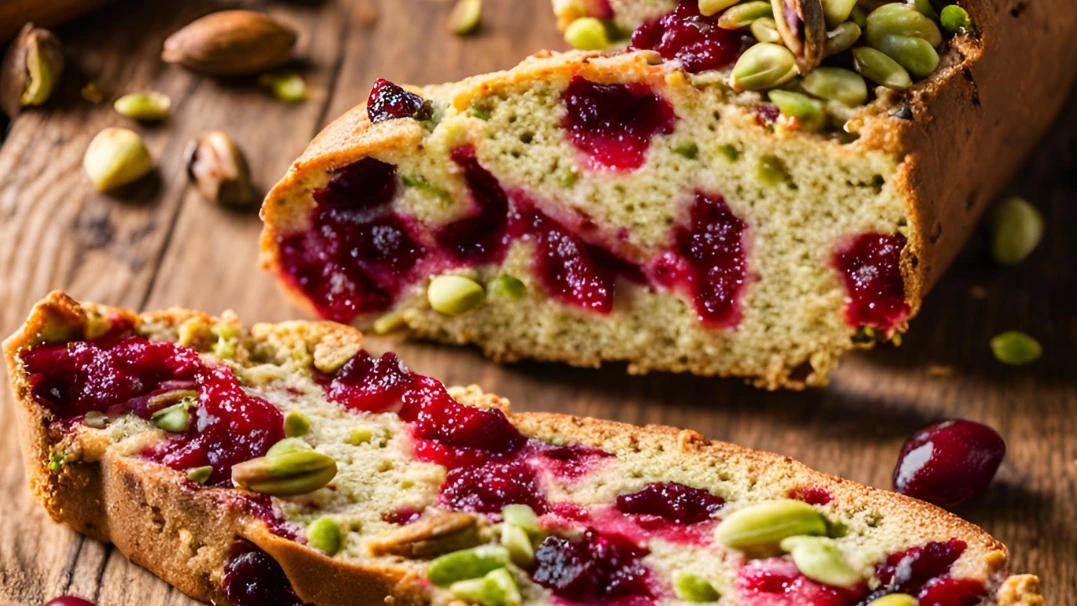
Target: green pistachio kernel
x,y
296,424
859,16
916,55
765,30
174,419
497,588
925,8
694,588
836,84
507,286
517,541
763,66
465,17
359,436
743,14
324,535
1016,348
841,38
390,322
729,152
1016,230
712,7
147,106
766,524
837,11
116,157
772,171
287,87
877,67
587,33
955,20
895,599
199,475
896,19
467,564
819,559
522,516
687,150
56,462
808,111
454,295
288,445
96,419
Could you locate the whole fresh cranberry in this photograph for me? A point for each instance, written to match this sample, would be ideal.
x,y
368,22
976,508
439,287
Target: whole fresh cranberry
x,y
947,463
67,600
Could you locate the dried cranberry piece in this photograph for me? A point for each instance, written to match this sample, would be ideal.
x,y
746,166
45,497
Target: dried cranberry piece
x,y
68,600
596,566
613,124
948,591
910,570
479,238
388,101
489,487
777,581
434,415
368,384
253,578
696,41
672,501
949,462
870,266
812,495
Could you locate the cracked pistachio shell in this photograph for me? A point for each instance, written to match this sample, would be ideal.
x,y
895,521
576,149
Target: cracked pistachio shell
x,y
291,473
802,26
766,524
32,67
219,169
763,66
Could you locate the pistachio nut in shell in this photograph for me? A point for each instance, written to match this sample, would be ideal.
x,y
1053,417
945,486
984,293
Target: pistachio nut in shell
x,y
116,157
231,43
288,474
219,169
802,27
32,67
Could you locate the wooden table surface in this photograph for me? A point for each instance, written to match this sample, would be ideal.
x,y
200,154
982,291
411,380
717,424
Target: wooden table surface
x,y
162,245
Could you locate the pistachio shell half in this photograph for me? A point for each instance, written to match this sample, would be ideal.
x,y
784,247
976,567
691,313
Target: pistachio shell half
x,y
32,67
803,29
292,473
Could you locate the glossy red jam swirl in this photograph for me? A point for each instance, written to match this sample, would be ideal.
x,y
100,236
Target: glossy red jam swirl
x,y
870,267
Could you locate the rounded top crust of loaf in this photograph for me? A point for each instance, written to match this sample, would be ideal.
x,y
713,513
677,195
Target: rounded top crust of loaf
x,y
129,501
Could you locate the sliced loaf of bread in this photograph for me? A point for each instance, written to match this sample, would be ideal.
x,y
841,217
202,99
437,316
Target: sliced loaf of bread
x,y
690,204
285,465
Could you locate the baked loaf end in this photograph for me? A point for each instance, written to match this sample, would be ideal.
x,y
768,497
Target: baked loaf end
x,y
134,428
620,208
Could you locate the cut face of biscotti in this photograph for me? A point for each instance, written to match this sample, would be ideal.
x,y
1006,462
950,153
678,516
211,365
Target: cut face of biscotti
x,y
285,465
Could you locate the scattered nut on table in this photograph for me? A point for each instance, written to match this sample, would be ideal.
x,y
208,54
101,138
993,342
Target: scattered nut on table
x,y
31,70
219,169
231,43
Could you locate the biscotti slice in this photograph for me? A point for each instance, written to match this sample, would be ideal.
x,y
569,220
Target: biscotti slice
x,y
648,207
285,465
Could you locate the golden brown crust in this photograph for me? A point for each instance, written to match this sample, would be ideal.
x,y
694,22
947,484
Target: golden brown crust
x,y
183,533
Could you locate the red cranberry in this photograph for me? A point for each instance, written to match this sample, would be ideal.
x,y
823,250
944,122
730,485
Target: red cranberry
x,y
953,592
573,271
614,123
870,266
75,378
479,238
568,462
812,495
67,600
434,415
228,427
402,516
947,463
489,487
253,578
672,501
777,581
358,255
687,36
368,384
261,507
910,570
595,567
709,259
388,101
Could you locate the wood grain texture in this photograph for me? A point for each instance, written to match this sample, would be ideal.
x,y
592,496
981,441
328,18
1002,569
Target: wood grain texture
x,y
159,244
